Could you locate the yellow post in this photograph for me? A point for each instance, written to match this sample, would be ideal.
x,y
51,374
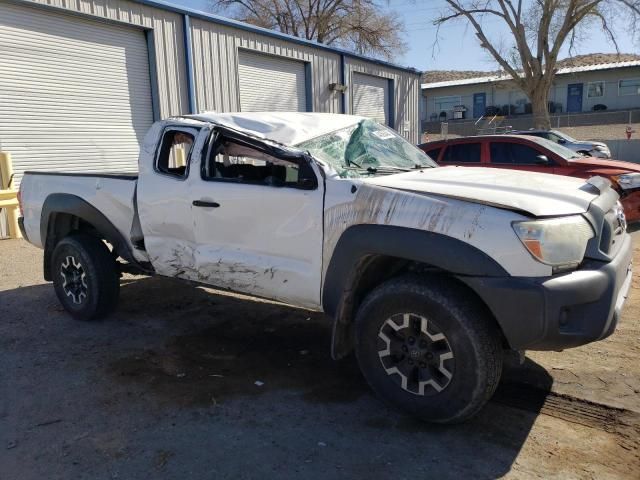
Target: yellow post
x,y
6,183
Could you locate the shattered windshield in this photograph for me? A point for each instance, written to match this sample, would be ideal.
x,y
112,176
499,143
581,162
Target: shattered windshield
x,y
367,148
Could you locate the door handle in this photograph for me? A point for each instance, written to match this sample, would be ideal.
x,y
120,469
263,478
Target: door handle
x,y
204,203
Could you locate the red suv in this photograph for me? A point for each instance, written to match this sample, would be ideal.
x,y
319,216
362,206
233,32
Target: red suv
x,y
535,154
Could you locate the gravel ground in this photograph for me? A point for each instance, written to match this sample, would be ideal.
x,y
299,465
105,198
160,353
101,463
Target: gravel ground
x,y
186,382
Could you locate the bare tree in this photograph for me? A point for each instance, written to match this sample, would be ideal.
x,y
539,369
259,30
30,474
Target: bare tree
x,y
361,26
538,30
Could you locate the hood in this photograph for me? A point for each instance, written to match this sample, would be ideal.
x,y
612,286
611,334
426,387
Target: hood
x,y
538,194
605,164
590,143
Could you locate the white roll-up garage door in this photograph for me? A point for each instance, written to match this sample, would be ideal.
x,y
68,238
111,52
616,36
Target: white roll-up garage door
x,y
74,93
269,83
370,97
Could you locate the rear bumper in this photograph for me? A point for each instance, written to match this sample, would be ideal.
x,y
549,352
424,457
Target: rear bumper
x,y
22,229
562,311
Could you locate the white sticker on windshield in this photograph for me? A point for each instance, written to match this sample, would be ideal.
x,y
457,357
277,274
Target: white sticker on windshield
x,y
383,134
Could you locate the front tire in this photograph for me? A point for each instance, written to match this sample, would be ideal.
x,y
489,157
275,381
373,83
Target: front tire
x,y
425,345
85,277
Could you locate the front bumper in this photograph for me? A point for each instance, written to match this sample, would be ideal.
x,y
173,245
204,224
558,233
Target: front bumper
x,y
631,204
562,311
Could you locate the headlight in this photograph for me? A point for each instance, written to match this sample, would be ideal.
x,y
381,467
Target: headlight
x,y
601,148
559,242
628,181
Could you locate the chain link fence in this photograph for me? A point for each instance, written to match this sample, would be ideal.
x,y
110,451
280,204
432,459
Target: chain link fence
x,y
500,124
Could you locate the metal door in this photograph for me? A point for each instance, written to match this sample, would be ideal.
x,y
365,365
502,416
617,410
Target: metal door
x,y
370,97
479,104
270,83
75,93
574,97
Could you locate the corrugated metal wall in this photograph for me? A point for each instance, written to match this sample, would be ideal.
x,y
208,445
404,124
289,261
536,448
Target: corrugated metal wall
x,y
215,54
74,92
406,94
168,39
215,62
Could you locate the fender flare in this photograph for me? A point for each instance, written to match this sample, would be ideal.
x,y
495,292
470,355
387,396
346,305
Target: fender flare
x,y
65,203
360,242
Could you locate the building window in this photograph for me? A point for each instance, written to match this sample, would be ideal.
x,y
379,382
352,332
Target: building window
x,y
595,89
446,104
630,86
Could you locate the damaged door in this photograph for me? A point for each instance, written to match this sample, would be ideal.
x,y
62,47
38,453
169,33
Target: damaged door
x,y
257,213
166,170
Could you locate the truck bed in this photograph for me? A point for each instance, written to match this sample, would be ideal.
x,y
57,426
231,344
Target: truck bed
x,y
116,175
112,194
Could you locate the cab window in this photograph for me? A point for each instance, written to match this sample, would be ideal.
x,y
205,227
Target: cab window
x,y
175,152
434,153
514,153
232,161
462,153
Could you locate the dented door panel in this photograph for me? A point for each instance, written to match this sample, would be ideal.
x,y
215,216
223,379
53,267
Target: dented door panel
x,y
164,206
262,240
355,202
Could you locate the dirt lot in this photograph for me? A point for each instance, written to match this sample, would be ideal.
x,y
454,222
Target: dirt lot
x,y
185,382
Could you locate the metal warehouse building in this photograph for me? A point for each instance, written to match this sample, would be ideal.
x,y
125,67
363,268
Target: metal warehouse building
x,y
82,80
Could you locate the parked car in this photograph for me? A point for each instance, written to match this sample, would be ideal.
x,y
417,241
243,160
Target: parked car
x,y
429,273
535,154
585,147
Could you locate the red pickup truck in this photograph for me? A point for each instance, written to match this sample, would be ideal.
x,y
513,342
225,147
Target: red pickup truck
x,y
523,152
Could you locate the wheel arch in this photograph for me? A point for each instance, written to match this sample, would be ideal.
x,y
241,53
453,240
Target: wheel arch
x,y
63,213
367,255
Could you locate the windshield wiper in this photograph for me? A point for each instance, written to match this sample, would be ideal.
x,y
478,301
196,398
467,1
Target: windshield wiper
x,y
385,169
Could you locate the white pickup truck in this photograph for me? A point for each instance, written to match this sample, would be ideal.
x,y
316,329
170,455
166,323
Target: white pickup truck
x,y
430,274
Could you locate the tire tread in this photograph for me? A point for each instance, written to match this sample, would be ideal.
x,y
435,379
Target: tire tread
x,y
107,276
475,318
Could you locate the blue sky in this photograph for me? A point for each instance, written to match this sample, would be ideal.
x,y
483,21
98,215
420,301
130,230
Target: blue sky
x,y
457,46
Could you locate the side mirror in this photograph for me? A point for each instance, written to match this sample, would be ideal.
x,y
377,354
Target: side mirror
x,y
562,141
307,183
542,160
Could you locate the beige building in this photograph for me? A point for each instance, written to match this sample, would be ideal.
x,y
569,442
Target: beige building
x,y
614,85
82,80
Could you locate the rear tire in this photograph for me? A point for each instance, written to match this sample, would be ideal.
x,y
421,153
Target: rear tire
x,y
85,277
425,345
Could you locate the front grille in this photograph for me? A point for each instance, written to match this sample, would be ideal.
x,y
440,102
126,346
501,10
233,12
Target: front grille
x,y
613,229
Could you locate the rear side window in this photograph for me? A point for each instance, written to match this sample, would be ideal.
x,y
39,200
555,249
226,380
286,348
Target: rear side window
x,y
434,153
513,153
175,151
462,153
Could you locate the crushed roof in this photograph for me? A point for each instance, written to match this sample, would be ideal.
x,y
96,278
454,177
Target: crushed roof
x,y
287,128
